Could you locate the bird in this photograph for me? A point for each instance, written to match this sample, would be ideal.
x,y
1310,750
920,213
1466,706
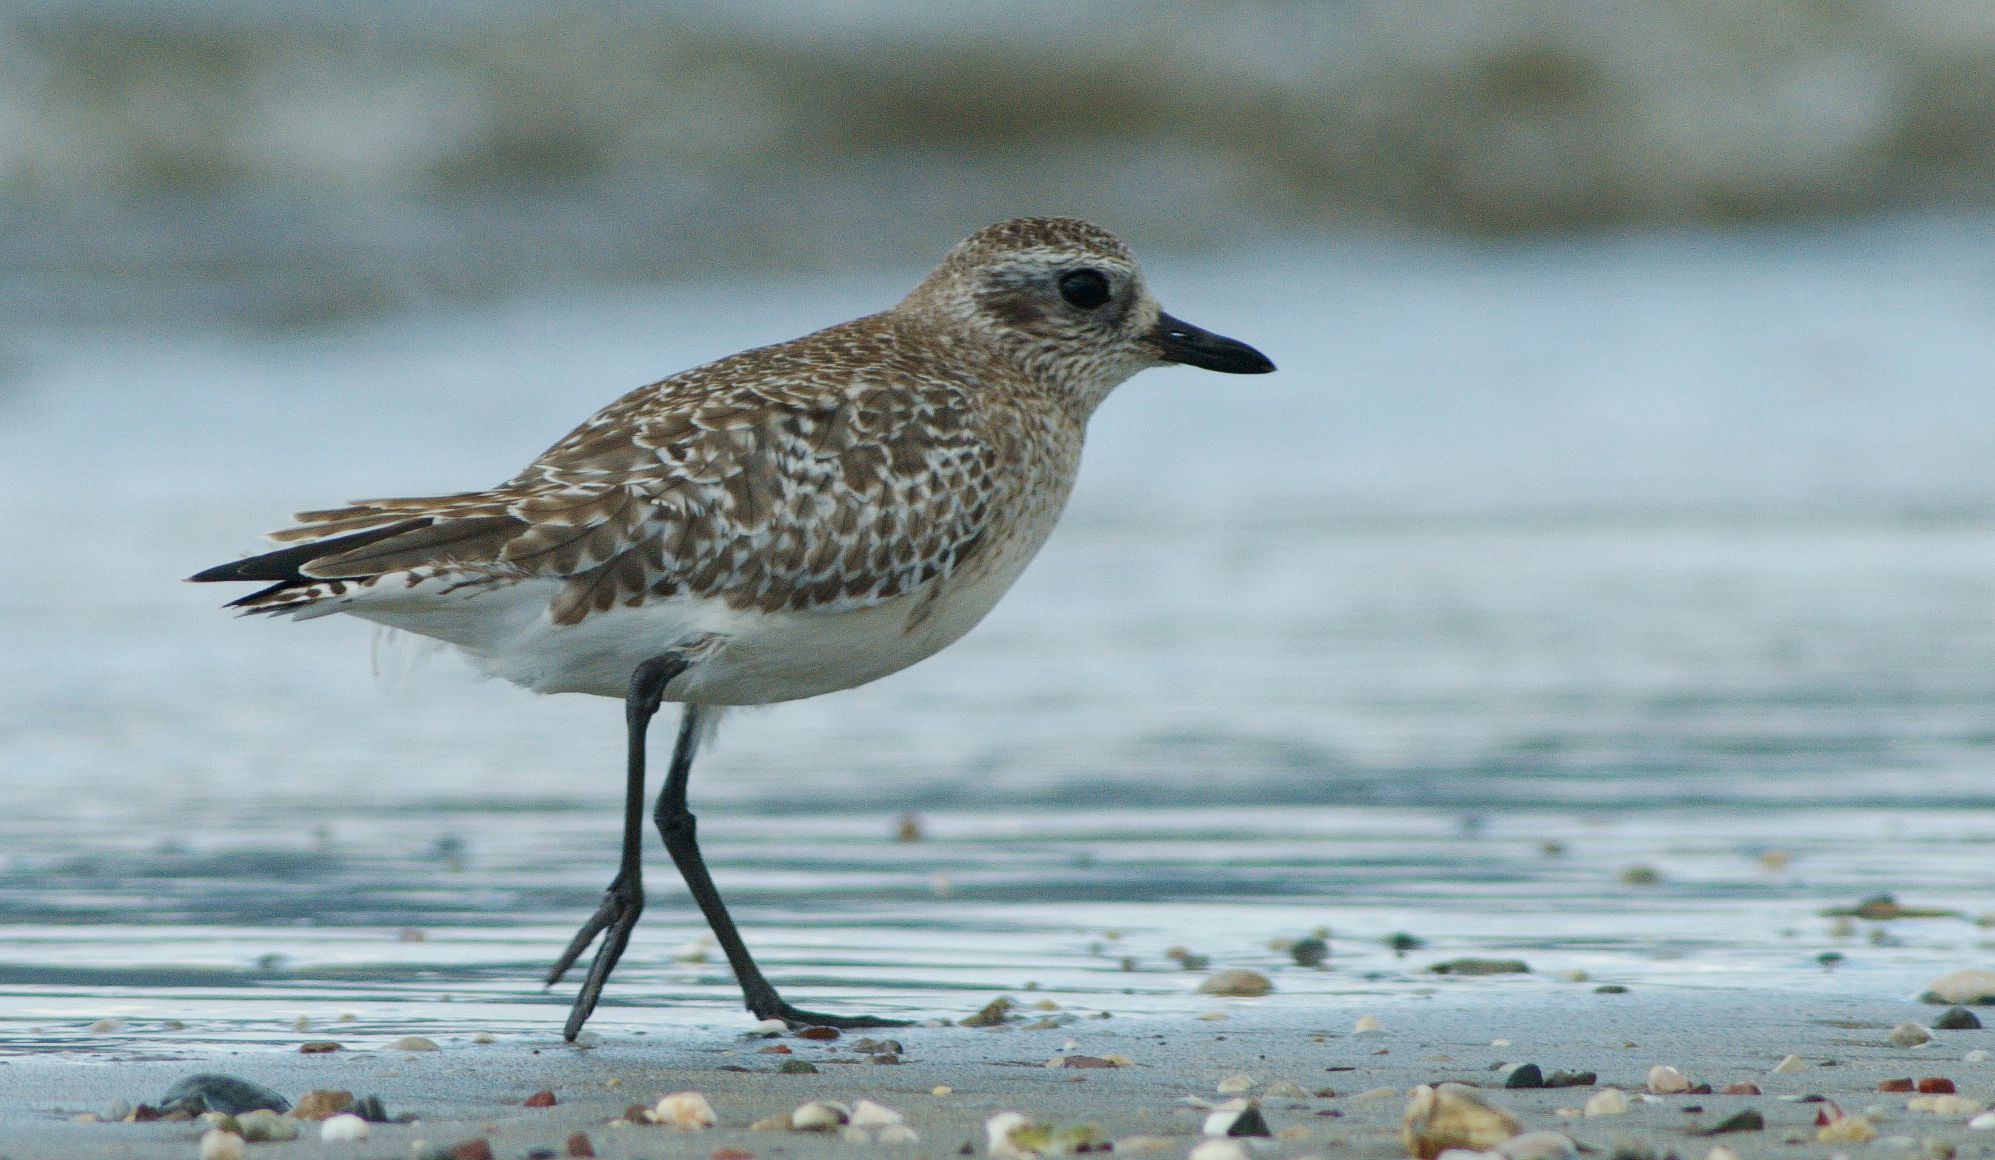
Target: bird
x,y
781,523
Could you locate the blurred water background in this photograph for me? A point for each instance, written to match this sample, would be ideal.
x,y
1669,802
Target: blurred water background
x,y
1624,500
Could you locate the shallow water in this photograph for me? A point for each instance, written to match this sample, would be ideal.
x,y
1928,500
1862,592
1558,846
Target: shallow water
x,y
1671,551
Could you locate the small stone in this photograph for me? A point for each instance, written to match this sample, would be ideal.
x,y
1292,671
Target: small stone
x,y
105,1026
1934,1085
264,1126
1983,1122
1610,989
1472,966
413,1043
1218,1148
941,1089
1747,1088
1452,1116
993,1014
1233,1085
1909,1035
345,1128
1665,1080
1789,1065
1525,1075
1367,1024
1978,1055
473,1149
1309,952
1211,1016
780,1122
219,1145
796,1067
1607,1102
540,1099
319,1047
819,1116
579,1145
684,1111
1564,1079
726,1153
1640,876
1236,981
1969,987
1283,1089
1745,1120
1957,1019
322,1104
1720,1152
1847,1130
819,1034
1896,1085
867,1114
369,1108
484,1037
207,1091
1943,1105
896,1134
1539,1146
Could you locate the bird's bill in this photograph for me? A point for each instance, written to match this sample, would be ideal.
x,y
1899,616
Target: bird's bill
x,y
1181,342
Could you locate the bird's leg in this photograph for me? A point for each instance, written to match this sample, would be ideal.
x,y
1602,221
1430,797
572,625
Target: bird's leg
x,y
678,827
623,902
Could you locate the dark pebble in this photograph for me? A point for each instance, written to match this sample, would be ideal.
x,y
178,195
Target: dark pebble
x,y
1632,1150
540,1099
578,1145
797,1067
1572,1079
1403,942
1957,1019
1745,1120
318,1047
878,1046
1250,1123
1473,966
1528,1075
371,1109
886,1057
1610,989
208,1091
1309,952
1934,1085
819,1033
540,1154
477,1149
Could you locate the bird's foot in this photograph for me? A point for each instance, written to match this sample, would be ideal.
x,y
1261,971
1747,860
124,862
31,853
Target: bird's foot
x,y
616,916
796,1018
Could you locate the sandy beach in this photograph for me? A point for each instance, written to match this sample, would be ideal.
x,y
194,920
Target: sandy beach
x,y
1467,1032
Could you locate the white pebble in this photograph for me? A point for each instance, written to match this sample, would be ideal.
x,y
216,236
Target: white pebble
x,y
1233,1085
686,1111
941,1089
1283,1089
1789,1065
1367,1025
414,1043
219,1145
1209,1017
1539,1146
1944,1105
1978,1055
1721,1153
1665,1080
1962,988
1983,1122
1909,1035
1607,1102
1499,1043
345,1128
819,1116
867,1114
692,952
894,1134
1236,981
1218,1148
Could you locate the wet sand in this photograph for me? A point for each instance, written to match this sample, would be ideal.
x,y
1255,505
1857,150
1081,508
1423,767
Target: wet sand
x,y
468,1090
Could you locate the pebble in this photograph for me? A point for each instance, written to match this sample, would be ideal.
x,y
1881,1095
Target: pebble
x,y
1721,1153
219,1145
319,1047
1212,1016
895,1134
993,1014
1472,966
1909,1035
209,1091
819,1034
1936,1085
819,1116
1309,952
1896,1085
721,1153
1539,1146
1790,1065
1218,1148
1978,1055
540,1099
797,1067
1747,1120
1748,1088
1847,1130
1640,876
1367,1025
477,1148
941,1089
264,1126
780,1122
1957,1019
1236,981
1983,1122
1607,1102
684,1111
1452,1116
103,1026
345,1128
484,1037
321,1104
1233,1085
1665,1080
1962,987
1283,1089
579,1145
867,1114
1944,1105
414,1043
1525,1075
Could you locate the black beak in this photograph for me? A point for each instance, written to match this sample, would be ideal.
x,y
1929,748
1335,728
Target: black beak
x,y
1181,342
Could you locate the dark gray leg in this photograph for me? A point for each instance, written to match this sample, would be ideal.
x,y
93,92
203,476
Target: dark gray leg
x,y
623,902
678,827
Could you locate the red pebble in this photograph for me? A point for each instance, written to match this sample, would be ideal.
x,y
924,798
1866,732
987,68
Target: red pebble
x,y
1934,1085
774,1049
1747,1088
578,1145
541,1099
818,1033
1895,1085
725,1153
471,1150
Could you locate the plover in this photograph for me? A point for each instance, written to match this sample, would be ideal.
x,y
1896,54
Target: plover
x,y
784,522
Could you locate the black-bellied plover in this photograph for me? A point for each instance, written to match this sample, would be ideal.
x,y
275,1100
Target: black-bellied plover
x,y
784,522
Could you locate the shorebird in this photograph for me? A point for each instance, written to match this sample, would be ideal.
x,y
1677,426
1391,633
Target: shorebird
x,y
781,523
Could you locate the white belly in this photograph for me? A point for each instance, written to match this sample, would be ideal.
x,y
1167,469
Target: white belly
x,y
755,658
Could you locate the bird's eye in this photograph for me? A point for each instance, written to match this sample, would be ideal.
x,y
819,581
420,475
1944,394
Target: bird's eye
x,y
1086,289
